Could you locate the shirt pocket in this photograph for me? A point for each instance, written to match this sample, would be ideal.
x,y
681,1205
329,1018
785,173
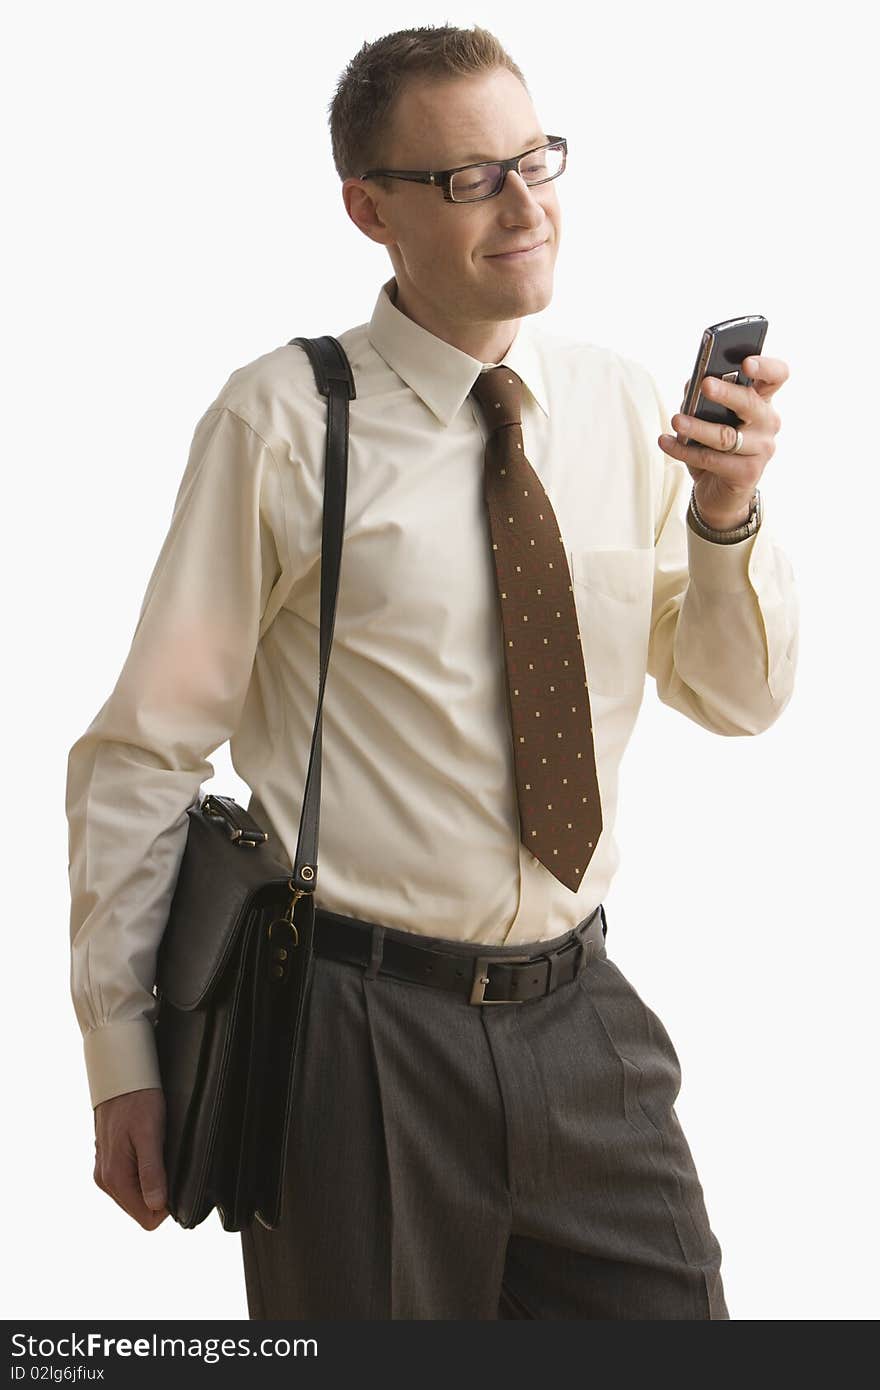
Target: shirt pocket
x,y
613,592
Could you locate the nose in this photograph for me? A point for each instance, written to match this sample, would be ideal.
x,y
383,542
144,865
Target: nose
x,y
522,195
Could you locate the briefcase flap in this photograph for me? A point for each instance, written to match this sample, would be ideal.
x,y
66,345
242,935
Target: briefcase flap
x,y
219,883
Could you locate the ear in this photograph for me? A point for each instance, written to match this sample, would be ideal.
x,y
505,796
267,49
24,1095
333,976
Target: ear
x,y
360,204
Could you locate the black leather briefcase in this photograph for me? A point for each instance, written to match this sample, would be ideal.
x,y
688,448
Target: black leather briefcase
x,y
234,967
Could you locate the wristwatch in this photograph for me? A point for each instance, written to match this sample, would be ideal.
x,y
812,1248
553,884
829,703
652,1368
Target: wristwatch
x,y
737,533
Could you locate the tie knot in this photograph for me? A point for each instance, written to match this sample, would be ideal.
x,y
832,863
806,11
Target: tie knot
x,y
499,393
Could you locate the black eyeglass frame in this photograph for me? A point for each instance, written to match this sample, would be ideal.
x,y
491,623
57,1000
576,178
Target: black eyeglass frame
x,y
442,178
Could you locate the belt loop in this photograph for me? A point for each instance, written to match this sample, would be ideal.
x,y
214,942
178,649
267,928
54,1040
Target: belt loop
x,y
604,920
377,945
585,952
554,958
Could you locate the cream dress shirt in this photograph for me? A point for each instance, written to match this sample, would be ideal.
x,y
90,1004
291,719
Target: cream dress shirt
x,y
419,820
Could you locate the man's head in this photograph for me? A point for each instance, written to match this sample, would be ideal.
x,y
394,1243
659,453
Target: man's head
x,y
434,98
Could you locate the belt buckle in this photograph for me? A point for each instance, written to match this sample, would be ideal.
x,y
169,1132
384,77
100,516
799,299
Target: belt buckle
x,y
481,979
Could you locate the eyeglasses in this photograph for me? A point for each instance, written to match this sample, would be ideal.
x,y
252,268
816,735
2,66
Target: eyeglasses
x,y
471,183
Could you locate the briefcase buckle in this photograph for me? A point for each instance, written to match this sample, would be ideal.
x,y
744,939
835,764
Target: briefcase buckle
x,y
481,979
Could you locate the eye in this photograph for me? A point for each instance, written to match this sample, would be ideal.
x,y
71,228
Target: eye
x,y
475,181
471,185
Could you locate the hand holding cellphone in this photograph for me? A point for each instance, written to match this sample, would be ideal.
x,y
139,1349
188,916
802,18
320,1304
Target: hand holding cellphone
x,y
723,349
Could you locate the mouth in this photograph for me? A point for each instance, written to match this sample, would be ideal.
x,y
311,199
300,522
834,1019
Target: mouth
x,y
523,255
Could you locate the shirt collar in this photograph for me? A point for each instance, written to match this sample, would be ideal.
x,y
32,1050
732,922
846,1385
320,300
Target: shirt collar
x,y
442,375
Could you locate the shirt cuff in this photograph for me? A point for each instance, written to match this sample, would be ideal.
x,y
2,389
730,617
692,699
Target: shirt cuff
x,y
713,565
121,1057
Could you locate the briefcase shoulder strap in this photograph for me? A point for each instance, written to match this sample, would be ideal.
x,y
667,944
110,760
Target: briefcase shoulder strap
x,y
329,362
335,380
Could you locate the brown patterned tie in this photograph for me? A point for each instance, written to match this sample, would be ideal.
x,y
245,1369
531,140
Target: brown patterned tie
x,y
557,785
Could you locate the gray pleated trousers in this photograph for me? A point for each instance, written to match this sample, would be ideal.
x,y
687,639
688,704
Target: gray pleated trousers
x,y
451,1160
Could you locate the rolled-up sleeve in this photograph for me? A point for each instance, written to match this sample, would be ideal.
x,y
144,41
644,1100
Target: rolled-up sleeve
x,y
725,618
141,762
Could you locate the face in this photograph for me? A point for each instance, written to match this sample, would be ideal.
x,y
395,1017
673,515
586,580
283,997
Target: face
x,y
445,255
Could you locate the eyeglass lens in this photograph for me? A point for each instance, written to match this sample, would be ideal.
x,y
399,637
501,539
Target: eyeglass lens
x,y
480,180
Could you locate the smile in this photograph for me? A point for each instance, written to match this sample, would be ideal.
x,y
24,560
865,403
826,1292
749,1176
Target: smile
x,y
515,256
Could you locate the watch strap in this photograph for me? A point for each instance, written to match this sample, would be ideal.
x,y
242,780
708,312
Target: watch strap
x,y
736,533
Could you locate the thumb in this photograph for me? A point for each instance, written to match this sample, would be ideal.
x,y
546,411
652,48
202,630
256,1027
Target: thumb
x,y
151,1174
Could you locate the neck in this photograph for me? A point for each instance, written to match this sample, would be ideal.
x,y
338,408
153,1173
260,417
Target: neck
x,y
487,342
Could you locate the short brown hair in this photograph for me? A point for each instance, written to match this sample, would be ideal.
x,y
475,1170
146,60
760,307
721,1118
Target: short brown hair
x,y
360,111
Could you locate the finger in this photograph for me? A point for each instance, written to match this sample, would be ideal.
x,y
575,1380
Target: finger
x,y
152,1181
744,401
151,1174
124,1185
699,457
767,373
125,1189
770,369
714,436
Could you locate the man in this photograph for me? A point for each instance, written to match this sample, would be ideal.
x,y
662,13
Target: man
x,y
488,1127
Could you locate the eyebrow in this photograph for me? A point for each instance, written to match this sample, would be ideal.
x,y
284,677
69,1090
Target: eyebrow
x,y
531,142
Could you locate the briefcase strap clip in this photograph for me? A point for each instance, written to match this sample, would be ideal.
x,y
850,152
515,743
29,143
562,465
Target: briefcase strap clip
x,y
241,828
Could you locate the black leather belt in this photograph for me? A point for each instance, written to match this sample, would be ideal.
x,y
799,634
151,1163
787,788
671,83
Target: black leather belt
x,y
482,979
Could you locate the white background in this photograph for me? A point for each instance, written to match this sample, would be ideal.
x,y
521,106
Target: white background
x,y
174,212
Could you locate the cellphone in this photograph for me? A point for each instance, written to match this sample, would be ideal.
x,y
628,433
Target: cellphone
x,y
723,349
